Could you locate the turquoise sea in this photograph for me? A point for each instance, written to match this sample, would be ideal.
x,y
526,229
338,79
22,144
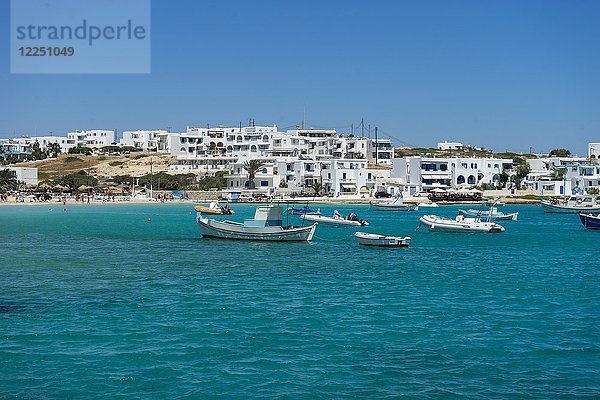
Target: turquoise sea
x,y
99,302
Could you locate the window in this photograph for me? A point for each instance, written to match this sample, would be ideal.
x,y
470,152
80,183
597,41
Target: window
x,y
264,171
344,175
264,183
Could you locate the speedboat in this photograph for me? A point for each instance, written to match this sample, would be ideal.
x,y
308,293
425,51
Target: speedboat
x,y
267,225
460,224
303,210
492,214
371,239
571,205
590,221
397,204
215,209
337,219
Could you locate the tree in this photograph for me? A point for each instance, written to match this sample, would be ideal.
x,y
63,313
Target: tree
x,y
252,168
53,150
557,175
522,172
8,180
503,178
317,187
36,152
560,153
80,150
73,181
283,184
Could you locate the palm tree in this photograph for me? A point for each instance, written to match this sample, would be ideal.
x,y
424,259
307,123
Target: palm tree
x,y
8,179
317,187
252,168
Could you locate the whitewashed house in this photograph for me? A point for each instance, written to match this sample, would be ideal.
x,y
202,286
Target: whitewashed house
x,y
93,138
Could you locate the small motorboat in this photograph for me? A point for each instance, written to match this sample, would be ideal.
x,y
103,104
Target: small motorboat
x,y
304,210
337,219
492,214
590,221
214,209
571,205
396,204
371,239
429,205
265,226
460,224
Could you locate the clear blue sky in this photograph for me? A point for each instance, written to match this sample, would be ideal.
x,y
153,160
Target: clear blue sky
x,y
500,74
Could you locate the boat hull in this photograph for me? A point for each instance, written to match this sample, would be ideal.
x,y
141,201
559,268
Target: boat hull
x,y
228,230
394,207
332,221
303,211
369,239
567,209
590,221
435,223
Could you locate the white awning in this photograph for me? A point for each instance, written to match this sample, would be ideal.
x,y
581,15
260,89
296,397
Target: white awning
x,y
348,185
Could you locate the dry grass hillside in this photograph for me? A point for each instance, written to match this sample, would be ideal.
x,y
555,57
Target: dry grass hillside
x,y
101,167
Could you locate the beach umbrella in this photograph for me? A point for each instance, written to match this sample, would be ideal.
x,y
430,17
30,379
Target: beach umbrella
x,y
438,190
83,188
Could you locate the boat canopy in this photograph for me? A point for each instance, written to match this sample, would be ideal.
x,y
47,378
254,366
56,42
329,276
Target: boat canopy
x,y
266,216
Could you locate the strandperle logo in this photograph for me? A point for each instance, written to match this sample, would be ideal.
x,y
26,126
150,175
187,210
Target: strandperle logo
x,y
80,36
85,31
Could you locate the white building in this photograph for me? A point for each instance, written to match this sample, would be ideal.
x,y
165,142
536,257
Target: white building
x,y
267,178
381,152
15,148
145,139
449,146
320,142
594,150
562,175
92,138
342,177
418,173
26,175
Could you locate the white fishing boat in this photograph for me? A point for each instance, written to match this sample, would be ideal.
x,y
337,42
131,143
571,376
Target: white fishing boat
x,y
490,214
266,225
460,224
429,205
337,219
395,204
571,205
371,239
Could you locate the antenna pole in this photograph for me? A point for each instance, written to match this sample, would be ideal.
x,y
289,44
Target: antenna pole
x,y
376,149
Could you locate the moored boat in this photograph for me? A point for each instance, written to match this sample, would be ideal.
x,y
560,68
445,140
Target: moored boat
x,y
491,214
590,221
429,205
337,219
460,224
214,209
571,205
265,226
371,239
303,210
397,204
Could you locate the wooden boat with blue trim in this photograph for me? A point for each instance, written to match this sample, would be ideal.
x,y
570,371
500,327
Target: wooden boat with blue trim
x,y
265,226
